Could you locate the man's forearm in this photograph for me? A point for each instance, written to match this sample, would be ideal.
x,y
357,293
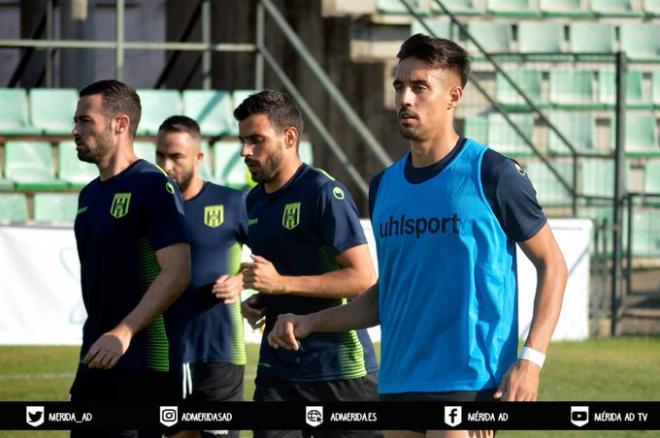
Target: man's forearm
x,y
551,280
359,313
343,283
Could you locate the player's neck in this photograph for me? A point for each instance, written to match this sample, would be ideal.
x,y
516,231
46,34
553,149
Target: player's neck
x,y
427,152
288,170
193,189
116,163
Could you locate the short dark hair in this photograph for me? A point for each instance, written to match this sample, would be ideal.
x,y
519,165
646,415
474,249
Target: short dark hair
x,y
180,124
437,53
118,98
279,107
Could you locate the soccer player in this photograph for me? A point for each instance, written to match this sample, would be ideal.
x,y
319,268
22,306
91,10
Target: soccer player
x,y
310,253
213,347
446,219
134,257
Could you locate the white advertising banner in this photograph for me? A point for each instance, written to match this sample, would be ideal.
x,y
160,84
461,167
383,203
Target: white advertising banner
x,y
42,305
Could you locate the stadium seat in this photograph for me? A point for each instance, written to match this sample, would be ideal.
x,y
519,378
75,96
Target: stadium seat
x,y
652,8
640,41
655,85
579,128
459,7
30,166
306,152
476,128
204,167
634,95
212,109
238,96
571,88
13,207
645,232
641,133
652,177
514,8
14,118
75,172
157,105
52,110
228,166
6,185
590,37
614,8
540,36
396,7
494,37
528,80
441,27
549,190
597,177
55,207
145,150
503,138
563,8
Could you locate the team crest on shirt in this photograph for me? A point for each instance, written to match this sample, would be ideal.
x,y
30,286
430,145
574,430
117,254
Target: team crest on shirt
x,y
291,215
120,204
214,215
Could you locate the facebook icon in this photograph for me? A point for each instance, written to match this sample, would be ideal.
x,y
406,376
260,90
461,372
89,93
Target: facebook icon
x,y
453,415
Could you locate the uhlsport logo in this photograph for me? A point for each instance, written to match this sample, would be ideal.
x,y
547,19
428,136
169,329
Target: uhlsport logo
x,y
314,415
579,415
214,215
34,415
120,203
453,415
169,415
291,215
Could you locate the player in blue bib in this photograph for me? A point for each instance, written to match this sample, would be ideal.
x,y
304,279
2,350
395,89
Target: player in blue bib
x,y
446,218
134,258
210,326
309,253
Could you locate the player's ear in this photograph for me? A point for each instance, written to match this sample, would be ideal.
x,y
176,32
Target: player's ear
x,y
291,136
455,96
121,124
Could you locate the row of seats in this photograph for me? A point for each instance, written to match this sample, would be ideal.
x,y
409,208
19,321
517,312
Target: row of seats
x,y
50,111
639,40
530,8
29,165
640,140
576,88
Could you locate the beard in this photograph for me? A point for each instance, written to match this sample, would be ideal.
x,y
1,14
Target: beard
x,y
269,169
102,146
184,181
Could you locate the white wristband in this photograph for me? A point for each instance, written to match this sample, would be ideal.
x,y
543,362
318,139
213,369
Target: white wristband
x,y
534,356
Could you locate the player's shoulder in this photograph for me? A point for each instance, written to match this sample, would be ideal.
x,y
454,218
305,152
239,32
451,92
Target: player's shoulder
x,y
322,183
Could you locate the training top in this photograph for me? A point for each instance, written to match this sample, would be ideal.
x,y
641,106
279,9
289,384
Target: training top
x,y
445,237
301,228
121,223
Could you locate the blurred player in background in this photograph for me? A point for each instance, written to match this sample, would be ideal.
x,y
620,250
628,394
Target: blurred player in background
x,y
134,257
447,218
309,253
211,331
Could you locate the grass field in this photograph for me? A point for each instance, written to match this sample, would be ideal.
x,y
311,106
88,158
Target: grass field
x,y
600,369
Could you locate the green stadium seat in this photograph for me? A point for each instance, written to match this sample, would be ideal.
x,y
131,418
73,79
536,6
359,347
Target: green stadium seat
x,y
549,190
641,133
504,139
306,152
614,8
441,27
476,128
655,85
563,8
494,37
459,7
597,177
13,207
514,8
540,36
579,128
212,109
145,150
652,177
228,166
652,8
570,88
14,118
204,168
634,94
6,185
530,83
75,172
640,41
52,110
30,166
396,7
646,232
238,96
55,207
157,105
590,37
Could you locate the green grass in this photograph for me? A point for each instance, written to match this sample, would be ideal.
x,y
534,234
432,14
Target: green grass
x,y
599,369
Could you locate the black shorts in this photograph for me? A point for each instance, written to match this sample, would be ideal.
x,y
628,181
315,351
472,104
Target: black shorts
x,y
274,389
213,382
121,385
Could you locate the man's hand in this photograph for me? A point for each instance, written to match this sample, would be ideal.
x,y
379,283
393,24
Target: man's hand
x,y
109,348
288,329
253,312
262,276
228,288
520,383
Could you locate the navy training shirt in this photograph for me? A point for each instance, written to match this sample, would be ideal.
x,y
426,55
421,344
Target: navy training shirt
x,y
301,228
121,223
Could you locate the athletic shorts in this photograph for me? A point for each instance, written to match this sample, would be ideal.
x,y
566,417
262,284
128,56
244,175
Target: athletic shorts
x,y
213,382
121,385
272,389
